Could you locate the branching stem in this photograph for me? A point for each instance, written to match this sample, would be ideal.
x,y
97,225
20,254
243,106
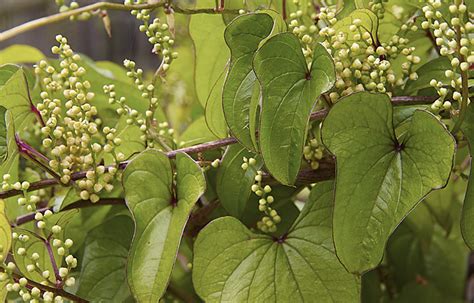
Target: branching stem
x,y
318,115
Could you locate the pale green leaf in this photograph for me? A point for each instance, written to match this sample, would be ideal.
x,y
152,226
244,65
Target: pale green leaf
x,y
10,166
211,53
232,264
243,36
160,212
289,92
20,53
15,96
213,112
380,177
103,271
196,133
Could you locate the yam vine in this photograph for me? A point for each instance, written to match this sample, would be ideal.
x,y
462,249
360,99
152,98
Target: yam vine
x,y
279,151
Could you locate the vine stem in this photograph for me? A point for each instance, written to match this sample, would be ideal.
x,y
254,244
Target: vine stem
x,y
317,115
59,280
44,288
31,25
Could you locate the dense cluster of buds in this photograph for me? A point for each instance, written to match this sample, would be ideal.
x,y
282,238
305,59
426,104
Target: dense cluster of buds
x,y
72,132
451,30
158,33
313,153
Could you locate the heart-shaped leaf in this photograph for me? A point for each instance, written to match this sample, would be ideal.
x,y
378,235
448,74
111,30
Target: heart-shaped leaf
x,y
380,177
232,264
160,211
289,92
103,271
239,100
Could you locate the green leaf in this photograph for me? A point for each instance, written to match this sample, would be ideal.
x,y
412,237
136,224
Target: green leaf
x,y
103,272
467,218
213,112
433,69
211,56
289,92
20,53
380,177
35,245
10,166
233,183
5,234
196,133
15,96
243,36
369,23
232,264
160,212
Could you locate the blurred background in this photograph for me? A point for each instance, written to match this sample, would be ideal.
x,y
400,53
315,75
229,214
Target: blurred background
x,y
87,37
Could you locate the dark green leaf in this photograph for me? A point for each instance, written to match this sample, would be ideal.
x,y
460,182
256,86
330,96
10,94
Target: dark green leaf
x,y
380,178
289,92
243,36
232,264
103,272
233,183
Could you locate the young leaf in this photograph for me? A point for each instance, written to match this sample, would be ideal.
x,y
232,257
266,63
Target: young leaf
x,y
103,272
233,183
232,264
289,92
380,177
160,213
243,36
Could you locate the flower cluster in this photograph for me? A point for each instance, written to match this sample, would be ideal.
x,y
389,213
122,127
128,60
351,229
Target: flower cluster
x,y
269,222
364,64
26,199
313,152
72,131
377,6
451,31
303,32
158,33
